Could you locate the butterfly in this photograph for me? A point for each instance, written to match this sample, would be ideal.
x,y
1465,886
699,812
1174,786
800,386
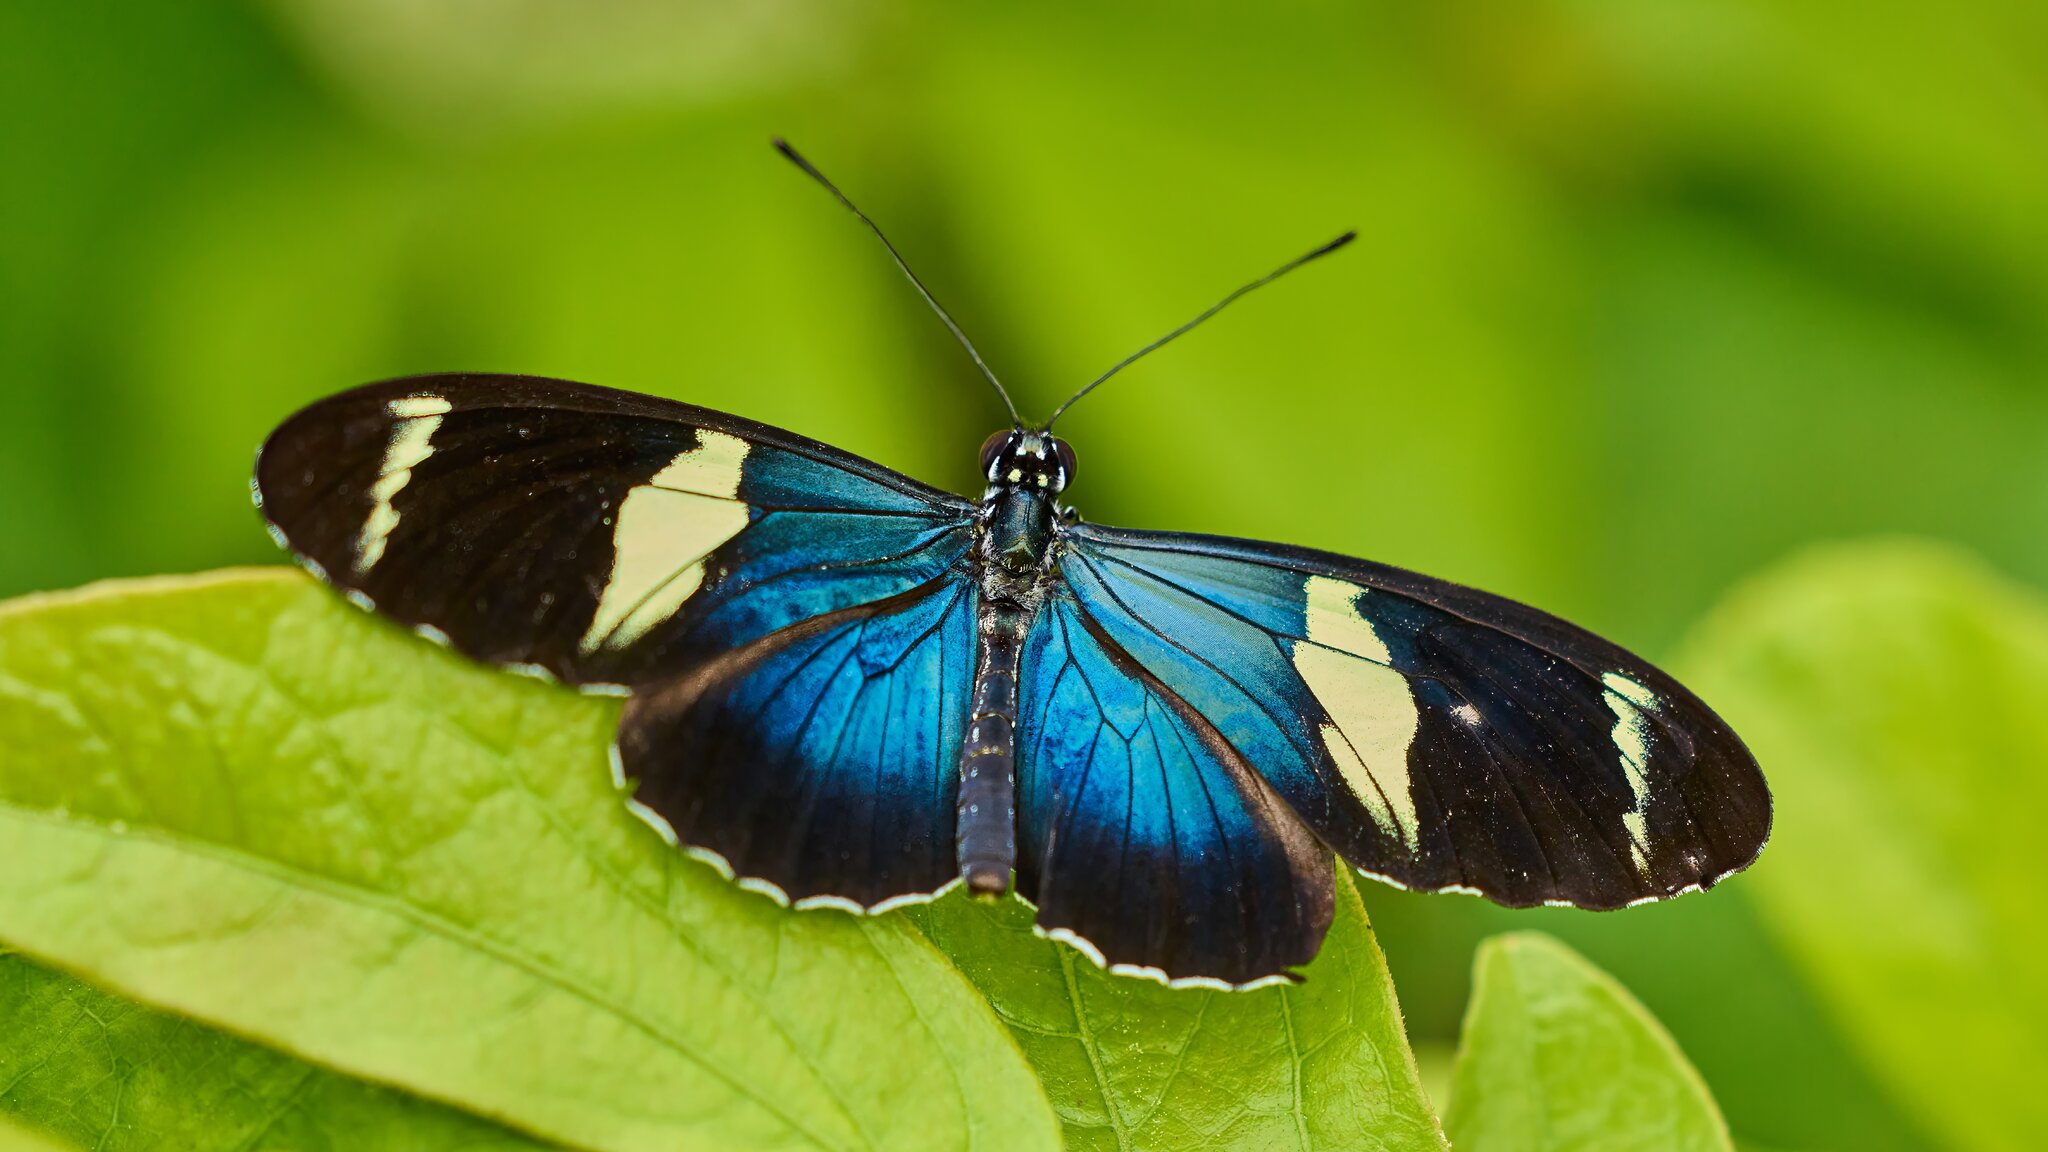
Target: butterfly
x,y
846,688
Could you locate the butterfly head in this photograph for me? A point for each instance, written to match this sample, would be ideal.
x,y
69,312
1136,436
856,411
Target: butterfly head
x,y
1031,460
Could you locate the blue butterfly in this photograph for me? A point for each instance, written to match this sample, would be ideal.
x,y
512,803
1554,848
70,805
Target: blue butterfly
x,y
849,689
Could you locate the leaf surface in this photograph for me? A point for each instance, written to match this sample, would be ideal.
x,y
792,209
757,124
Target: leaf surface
x,y
15,1138
1557,1055
1897,695
1131,1064
87,1066
237,798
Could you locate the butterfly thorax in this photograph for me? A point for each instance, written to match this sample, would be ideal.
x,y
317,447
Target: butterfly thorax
x,y
1014,548
1016,557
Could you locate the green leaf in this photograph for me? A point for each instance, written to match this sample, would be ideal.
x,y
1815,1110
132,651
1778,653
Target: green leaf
x,y
87,1066
1131,1064
1897,697
235,797
15,1138
1557,1055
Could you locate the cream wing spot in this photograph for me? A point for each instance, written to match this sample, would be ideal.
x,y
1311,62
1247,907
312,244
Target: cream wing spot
x,y
1373,714
1333,620
1638,835
1638,695
662,533
418,417
1627,700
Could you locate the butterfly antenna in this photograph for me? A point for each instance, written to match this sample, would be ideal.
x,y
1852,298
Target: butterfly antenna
x,y
796,158
1211,310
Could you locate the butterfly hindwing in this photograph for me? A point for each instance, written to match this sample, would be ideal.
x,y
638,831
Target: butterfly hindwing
x,y
598,536
1142,831
822,758
1434,735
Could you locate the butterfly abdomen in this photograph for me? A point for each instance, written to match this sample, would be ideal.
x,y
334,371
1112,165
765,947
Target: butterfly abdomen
x,y
987,837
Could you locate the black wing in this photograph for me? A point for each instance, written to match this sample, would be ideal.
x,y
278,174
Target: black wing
x,y
1435,736
601,537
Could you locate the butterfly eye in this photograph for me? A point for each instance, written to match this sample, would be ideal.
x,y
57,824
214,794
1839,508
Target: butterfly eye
x,y
993,447
1066,456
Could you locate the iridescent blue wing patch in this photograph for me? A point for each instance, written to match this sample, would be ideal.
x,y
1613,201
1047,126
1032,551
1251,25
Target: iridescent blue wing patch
x,y
1434,736
596,536
818,762
1143,835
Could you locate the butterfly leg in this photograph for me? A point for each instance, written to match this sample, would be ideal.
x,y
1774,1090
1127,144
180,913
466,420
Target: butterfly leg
x,y
987,836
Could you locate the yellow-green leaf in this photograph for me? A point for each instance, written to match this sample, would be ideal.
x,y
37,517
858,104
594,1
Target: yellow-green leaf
x,y
1897,695
235,797
85,1065
1558,1056
1133,1065
15,1138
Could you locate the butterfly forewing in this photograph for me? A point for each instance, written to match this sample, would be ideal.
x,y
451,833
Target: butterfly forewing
x,y
598,536
1433,735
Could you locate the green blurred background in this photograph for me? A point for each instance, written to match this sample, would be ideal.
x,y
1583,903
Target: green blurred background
x,y
1646,296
